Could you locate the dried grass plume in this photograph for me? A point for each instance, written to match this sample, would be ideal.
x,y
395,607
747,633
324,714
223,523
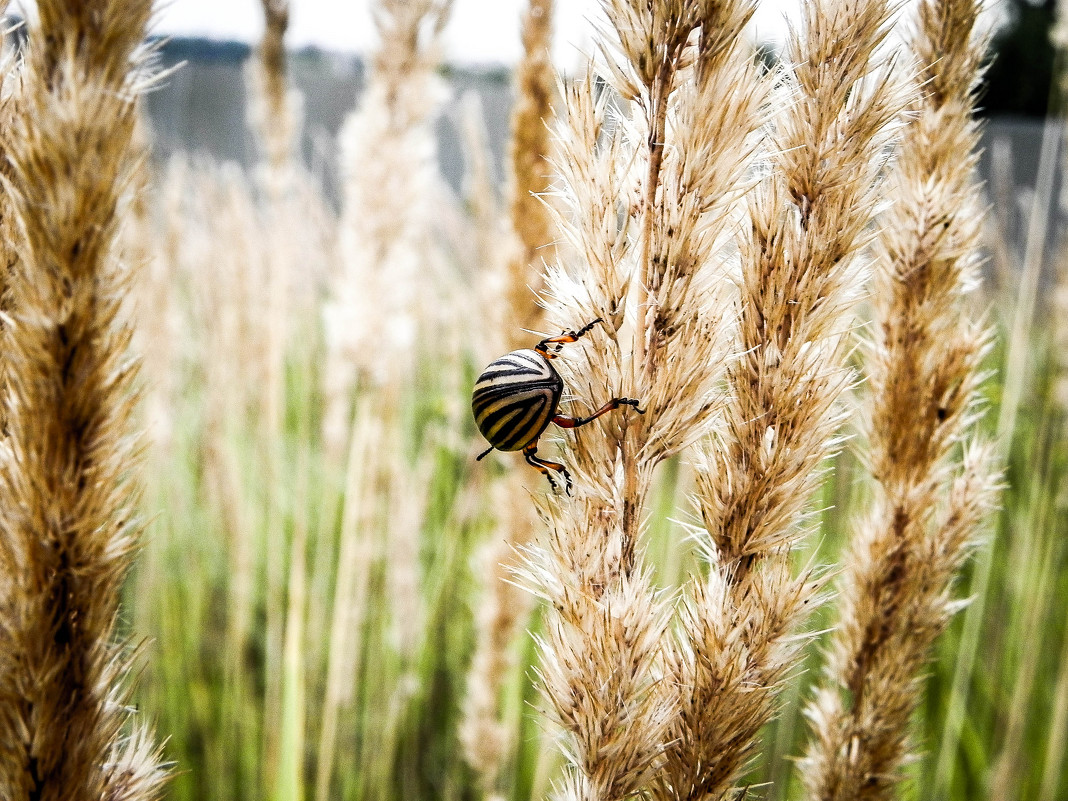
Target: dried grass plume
x,y
934,480
68,467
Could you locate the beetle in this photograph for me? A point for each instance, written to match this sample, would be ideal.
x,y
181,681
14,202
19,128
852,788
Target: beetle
x,y
518,395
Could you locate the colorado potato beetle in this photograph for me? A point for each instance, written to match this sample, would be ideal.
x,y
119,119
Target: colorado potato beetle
x,y
518,395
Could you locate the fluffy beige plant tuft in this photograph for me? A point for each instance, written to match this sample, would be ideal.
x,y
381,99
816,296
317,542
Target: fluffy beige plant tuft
x,y
935,483
653,169
800,279
68,469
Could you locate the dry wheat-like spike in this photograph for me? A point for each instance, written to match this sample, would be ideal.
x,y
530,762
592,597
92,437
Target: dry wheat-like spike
x,y
391,193
924,369
731,656
651,180
531,173
600,654
800,281
275,110
269,112
67,472
510,280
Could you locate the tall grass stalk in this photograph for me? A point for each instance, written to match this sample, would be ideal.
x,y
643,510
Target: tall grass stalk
x,y
274,114
504,607
924,369
800,283
383,301
651,193
68,475
1019,339
1057,744
350,595
531,172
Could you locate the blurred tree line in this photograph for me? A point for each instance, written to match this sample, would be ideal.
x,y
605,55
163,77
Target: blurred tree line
x,y
1021,73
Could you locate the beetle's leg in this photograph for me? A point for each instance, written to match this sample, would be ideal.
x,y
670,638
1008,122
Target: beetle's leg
x,y
566,421
543,467
568,336
484,454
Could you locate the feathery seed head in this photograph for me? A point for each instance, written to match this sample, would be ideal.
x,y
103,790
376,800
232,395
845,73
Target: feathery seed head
x,y
924,369
66,473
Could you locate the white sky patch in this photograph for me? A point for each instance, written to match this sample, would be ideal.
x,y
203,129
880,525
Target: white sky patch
x,y
479,31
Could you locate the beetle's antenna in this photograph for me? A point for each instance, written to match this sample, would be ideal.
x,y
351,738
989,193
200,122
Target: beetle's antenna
x,y
586,328
567,336
484,453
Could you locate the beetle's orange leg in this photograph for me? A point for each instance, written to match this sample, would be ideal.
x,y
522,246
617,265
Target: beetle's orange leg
x,y
566,421
543,467
568,336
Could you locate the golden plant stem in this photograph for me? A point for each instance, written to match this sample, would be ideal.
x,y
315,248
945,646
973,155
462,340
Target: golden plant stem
x,y
649,277
69,473
923,365
530,173
643,368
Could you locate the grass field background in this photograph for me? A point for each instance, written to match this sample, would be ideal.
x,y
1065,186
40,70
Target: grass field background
x,y
311,603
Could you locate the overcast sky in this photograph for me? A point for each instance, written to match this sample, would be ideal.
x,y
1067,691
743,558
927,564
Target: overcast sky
x,y
480,31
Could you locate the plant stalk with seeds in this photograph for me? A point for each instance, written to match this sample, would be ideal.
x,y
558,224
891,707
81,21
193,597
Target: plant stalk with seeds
x,y
934,483
652,193
68,482
800,282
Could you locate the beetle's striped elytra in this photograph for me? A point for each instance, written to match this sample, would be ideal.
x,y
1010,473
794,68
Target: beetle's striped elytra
x,y
518,395
515,399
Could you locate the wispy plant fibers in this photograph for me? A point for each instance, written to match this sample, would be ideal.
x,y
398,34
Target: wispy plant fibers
x,y
934,484
651,191
799,286
68,465
10,98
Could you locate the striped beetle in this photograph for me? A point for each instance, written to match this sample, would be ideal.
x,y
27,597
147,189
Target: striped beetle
x,y
517,396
